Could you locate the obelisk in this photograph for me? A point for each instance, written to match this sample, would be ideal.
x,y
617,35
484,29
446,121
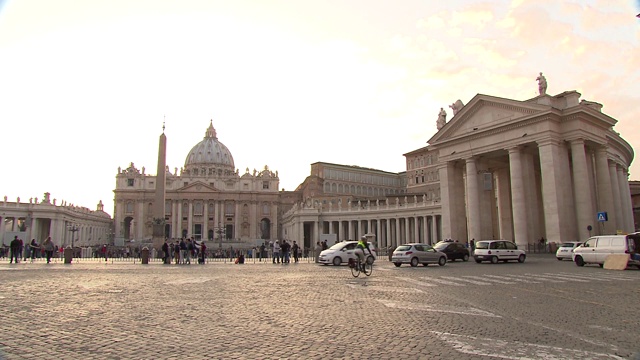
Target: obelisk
x,y
158,203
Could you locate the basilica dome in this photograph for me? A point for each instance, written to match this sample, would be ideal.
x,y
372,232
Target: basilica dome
x,y
209,156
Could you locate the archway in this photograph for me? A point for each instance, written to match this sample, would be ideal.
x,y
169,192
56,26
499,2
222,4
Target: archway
x,y
127,227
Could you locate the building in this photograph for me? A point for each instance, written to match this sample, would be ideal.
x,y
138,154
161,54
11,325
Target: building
x,y
208,199
551,167
67,224
635,201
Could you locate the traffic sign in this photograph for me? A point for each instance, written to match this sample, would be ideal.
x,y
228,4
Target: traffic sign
x,y
602,216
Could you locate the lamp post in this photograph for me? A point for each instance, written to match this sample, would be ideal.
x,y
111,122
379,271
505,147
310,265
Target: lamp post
x,y
220,230
73,228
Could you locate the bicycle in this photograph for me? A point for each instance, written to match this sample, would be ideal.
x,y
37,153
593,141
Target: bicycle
x,y
358,266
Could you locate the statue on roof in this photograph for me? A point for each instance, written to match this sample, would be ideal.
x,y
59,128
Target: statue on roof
x,y
456,106
442,119
542,84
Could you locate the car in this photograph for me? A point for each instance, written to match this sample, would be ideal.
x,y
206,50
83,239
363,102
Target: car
x,y
416,253
453,250
341,252
565,251
596,249
498,250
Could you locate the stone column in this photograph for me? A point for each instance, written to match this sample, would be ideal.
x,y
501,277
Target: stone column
x,y
190,219
2,231
174,219
340,231
605,193
584,206
504,205
398,238
558,222
520,233
205,219
617,204
625,194
179,221
387,232
416,229
139,220
449,199
379,232
473,201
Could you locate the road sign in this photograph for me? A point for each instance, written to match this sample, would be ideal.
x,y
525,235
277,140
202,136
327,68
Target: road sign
x,y
602,216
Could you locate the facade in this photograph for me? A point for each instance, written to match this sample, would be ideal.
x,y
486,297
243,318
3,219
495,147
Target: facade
x,y
206,199
40,219
635,202
550,167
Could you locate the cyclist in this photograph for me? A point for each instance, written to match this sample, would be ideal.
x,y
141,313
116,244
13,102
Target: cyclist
x,y
360,247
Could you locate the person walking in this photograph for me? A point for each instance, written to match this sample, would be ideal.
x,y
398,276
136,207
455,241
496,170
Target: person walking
x,y
49,248
165,253
176,252
295,249
318,250
33,246
276,252
203,249
14,247
104,252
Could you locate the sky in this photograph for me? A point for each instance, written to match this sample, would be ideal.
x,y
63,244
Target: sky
x,y
85,86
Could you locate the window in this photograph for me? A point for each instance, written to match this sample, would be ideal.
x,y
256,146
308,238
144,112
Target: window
x,y
265,184
186,183
197,208
129,208
266,209
129,182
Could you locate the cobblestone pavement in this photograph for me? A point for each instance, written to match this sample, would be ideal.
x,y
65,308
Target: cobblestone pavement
x,y
542,309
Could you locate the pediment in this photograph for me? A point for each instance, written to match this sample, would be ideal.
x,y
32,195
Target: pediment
x,y
199,186
485,112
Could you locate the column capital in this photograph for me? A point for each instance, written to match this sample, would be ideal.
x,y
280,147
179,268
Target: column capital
x,y
548,141
514,149
577,141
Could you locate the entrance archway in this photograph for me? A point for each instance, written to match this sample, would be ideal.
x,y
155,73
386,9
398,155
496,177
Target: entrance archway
x,y
265,229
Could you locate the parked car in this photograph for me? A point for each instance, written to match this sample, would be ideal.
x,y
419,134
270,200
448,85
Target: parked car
x,y
416,253
565,251
341,252
498,250
453,250
597,248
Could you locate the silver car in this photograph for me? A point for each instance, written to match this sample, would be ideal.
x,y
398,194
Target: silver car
x,y
417,253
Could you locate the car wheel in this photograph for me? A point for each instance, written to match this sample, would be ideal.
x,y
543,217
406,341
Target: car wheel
x,y
337,261
414,262
370,260
478,261
494,259
579,261
465,257
397,264
560,259
452,259
442,261
521,258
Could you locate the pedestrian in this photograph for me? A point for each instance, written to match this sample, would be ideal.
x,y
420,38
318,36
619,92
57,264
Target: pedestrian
x,y
165,253
15,250
318,250
261,252
176,252
295,248
189,252
33,246
276,252
183,251
285,249
104,252
324,245
49,248
203,249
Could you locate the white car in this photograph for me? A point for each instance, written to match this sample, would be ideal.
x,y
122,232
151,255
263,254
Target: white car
x,y
341,252
498,250
565,251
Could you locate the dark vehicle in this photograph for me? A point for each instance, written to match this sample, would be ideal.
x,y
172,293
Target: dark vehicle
x,y
453,250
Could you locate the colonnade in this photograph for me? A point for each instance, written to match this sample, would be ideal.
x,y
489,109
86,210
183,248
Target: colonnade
x,y
550,188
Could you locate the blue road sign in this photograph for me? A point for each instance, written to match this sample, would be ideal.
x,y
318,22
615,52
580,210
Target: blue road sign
x,y
602,216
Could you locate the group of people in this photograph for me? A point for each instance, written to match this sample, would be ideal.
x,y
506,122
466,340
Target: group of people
x,y
183,251
282,251
17,249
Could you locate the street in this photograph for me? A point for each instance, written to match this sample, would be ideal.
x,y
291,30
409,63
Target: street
x,y
541,309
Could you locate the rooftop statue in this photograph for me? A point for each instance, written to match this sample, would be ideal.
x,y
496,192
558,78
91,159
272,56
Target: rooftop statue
x,y
542,84
442,119
456,106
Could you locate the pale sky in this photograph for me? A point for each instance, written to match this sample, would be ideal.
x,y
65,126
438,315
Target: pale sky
x,y
86,85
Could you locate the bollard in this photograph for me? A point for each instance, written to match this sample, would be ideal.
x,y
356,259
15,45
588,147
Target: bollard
x,y
68,255
145,256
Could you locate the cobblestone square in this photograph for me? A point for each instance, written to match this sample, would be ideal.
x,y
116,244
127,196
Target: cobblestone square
x,y
120,310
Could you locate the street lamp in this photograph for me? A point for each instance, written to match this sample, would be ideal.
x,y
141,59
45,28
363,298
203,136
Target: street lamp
x,y
73,228
220,230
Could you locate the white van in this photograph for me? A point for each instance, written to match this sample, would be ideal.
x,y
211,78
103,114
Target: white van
x,y
597,248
